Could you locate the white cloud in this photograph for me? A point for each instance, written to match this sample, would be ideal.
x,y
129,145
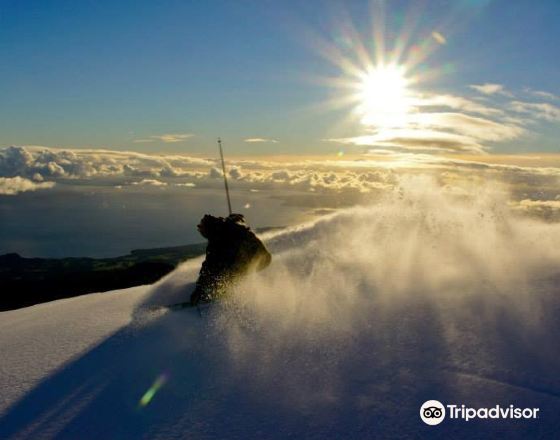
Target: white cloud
x,y
475,127
150,182
31,162
547,209
215,173
167,138
363,175
456,103
542,94
235,173
260,140
417,140
491,89
539,110
552,204
14,185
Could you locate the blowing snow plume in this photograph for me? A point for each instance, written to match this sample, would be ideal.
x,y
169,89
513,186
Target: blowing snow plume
x,y
376,309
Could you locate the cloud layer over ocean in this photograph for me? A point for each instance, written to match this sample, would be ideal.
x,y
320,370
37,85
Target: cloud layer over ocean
x,y
535,188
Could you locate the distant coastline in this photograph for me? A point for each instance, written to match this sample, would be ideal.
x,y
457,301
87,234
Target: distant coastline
x,y
28,281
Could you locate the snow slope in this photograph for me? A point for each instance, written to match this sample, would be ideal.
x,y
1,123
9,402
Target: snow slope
x,y
362,317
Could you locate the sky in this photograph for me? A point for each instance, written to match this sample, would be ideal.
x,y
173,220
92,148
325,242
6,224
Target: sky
x,y
110,112
274,77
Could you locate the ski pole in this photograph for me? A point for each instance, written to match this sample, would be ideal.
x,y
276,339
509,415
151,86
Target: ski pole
x,y
225,177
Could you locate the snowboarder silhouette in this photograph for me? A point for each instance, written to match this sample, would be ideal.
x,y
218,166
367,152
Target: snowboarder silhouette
x,y
233,250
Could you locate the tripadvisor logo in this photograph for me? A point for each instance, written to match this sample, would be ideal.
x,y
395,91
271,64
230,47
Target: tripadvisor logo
x,y
433,412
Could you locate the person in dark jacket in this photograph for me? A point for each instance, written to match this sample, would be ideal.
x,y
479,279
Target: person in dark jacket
x,y
233,250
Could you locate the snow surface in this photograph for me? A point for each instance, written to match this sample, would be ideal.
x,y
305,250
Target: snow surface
x,y
362,317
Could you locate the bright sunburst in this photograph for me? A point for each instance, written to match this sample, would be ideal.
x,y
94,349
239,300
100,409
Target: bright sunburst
x,y
383,99
378,83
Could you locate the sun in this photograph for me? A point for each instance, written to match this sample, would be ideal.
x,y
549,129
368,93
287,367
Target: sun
x,y
383,99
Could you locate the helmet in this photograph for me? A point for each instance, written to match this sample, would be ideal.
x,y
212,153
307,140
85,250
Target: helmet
x,y
209,224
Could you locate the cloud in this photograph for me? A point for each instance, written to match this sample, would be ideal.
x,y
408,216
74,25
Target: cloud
x,y
417,140
215,173
546,209
539,110
14,185
167,138
490,89
475,127
55,163
235,173
440,132
403,153
552,204
439,37
150,182
260,140
542,94
456,103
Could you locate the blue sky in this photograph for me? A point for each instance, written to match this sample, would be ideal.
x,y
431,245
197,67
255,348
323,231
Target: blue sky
x,y
125,74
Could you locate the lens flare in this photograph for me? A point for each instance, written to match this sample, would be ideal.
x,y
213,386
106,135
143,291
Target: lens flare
x,y
149,395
